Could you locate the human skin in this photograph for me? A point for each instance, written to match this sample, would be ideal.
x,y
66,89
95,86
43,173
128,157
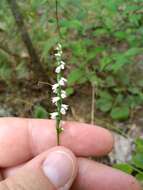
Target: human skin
x,y
24,140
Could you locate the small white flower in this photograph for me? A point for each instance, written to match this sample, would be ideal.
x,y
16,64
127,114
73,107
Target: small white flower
x,y
58,54
63,94
55,100
65,106
63,111
62,63
58,69
62,81
55,87
59,46
54,115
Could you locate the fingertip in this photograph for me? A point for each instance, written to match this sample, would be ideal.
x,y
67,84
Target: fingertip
x,y
104,140
128,180
95,175
86,139
108,141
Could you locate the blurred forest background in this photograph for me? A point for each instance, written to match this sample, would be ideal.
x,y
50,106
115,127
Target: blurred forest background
x,y
103,49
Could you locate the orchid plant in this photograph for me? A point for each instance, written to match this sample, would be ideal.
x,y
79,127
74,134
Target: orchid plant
x,y
60,94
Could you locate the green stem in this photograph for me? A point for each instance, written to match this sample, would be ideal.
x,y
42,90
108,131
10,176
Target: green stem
x,y
59,104
58,131
57,20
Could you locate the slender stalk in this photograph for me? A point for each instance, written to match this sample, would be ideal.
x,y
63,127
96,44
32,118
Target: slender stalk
x,y
58,133
93,105
58,120
57,88
57,20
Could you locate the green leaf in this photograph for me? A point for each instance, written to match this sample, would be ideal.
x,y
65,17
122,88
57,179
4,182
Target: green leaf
x,y
75,76
105,94
5,72
133,51
131,8
40,112
36,4
119,99
104,62
71,24
139,177
104,104
69,91
79,49
120,113
110,81
120,61
91,56
137,160
92,77
120,35
139,145
124,167
134,19
134,90
100,32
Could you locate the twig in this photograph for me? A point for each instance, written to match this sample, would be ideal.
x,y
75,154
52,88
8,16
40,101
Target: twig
x,y
57,20
35,60
93,104
45,83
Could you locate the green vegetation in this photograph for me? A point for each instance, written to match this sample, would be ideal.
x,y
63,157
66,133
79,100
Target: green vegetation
x,y
103,48
103,44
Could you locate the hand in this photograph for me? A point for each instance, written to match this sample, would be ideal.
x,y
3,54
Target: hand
x,y
30,162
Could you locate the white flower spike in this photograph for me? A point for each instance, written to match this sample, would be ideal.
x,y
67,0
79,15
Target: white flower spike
x,y
61,81
60,93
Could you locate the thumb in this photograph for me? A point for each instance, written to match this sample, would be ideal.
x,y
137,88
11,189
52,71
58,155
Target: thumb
x,y
55,169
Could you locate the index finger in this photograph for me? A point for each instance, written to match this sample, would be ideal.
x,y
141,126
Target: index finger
x,y
23,139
